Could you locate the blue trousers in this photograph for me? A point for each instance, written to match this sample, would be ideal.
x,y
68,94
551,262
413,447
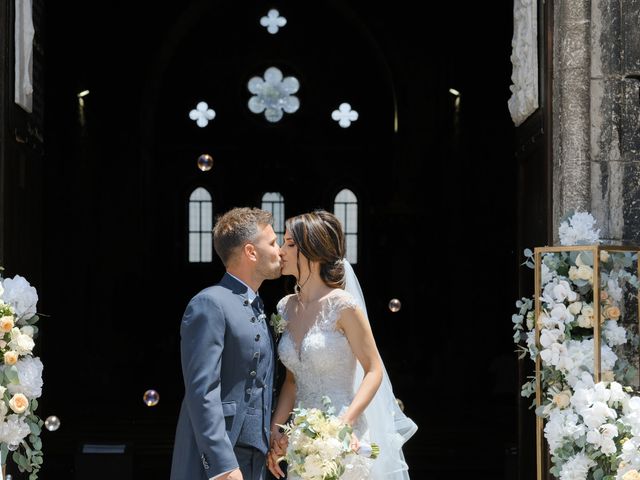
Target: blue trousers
x,y
252,463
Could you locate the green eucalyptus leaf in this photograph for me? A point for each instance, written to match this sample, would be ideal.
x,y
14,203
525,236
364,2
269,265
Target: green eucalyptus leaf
x,y
35,429
22,461
587,257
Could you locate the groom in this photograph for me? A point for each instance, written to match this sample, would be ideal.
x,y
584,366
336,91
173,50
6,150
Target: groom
x,y
227,358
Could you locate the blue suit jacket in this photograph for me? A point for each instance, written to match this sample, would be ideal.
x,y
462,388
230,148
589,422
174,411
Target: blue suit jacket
x,y
218,354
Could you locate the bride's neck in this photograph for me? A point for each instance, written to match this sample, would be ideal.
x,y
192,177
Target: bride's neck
x,y
313,289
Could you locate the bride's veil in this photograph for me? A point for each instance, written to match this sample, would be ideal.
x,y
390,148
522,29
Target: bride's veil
x,y
388,426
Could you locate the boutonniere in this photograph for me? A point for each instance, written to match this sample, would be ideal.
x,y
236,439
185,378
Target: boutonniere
x,y
278,323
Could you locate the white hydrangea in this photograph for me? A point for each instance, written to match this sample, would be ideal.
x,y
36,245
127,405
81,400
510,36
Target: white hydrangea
x,y
580,353
562,424
576,467
614,334
19,293
30,375
578,230
614,290
13,430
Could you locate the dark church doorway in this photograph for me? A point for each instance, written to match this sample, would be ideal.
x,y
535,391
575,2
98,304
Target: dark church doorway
x,y
121,172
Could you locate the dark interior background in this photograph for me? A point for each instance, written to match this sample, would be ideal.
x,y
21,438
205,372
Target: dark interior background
x,y
437,206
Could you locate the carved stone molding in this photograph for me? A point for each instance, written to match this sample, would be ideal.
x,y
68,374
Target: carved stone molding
x,y
524,58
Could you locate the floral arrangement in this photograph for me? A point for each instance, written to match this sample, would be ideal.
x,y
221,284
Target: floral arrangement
x,y
20,376
278,323
592,429
320,444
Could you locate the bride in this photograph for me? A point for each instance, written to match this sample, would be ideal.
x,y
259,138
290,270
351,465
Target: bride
x,y
328,349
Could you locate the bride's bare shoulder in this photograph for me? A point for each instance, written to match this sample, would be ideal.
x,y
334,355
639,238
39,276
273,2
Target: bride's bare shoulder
x,y
342,298
284,301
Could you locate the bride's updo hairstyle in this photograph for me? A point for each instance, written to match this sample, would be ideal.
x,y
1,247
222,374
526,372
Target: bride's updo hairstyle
x,y
319,237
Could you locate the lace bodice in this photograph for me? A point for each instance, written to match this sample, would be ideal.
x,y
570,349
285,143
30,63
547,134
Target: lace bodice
x,y
323,363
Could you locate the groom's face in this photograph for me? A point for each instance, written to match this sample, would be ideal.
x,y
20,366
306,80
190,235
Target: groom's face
x,y
268,253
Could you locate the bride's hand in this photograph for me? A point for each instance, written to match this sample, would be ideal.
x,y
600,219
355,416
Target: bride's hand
x,y
355,443
279,443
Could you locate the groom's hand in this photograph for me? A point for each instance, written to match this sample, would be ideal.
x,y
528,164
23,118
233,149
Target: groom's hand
x,y
279,442
272,464
232,475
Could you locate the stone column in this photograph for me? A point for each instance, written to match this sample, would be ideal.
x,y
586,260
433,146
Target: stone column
x,y
608,172
571,104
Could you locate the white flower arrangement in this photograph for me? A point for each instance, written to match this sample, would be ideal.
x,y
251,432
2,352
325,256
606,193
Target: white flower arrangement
x,y
20,376
592,429
320,443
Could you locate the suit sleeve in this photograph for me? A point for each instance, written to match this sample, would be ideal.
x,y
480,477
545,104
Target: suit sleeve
x,y
202,342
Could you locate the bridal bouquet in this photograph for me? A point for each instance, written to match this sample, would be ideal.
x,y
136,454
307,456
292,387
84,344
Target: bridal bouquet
x,y
320,443
20,376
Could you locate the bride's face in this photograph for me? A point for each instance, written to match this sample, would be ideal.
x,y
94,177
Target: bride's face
x,y
289,255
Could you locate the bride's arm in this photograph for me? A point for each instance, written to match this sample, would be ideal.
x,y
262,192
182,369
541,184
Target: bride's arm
x,y
286,400
281,414
356,328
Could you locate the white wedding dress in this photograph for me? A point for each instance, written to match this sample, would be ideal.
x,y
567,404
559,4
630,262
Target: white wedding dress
x,y
324,364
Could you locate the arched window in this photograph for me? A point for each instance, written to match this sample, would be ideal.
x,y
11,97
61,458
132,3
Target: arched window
x,y
345,208
200,226
274,202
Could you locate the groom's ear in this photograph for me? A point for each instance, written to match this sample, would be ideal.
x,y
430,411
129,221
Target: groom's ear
x,y
249,250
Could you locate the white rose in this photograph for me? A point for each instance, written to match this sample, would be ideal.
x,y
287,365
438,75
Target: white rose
x,y
612,312
584,321
585,273
631,475
10,357
573,273
604,255
587,311
19,403
21,343
6,323
575,308
562,399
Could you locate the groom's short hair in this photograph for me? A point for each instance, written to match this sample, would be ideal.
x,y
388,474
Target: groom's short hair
x,y
236,228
